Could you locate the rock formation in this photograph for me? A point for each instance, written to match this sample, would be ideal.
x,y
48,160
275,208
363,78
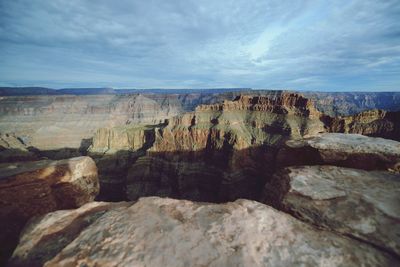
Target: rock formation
x,y
350,103
14,149
56,122
165,232
133,138
376,122
356,203
251,147
34,188
219,146
226,139
347,150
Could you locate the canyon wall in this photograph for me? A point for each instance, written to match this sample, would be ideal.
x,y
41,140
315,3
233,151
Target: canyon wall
x,y
54,122
48,120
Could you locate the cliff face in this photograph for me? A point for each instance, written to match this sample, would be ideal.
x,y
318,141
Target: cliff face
x,y
350,103
219,151
241,123
54,122
109,140
378,123
227,140
63,121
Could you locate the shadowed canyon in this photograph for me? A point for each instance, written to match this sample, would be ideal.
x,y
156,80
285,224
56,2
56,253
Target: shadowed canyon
x,y
211,178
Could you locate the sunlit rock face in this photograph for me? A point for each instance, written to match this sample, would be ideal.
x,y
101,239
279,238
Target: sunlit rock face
x,y
55,122
166,232
243,122
359,203
224,151
215,152
13,149
34,188
379,123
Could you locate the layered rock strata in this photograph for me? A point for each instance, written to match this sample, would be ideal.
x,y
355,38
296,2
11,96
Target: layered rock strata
x,y
228,140
56,122
378,123
167,232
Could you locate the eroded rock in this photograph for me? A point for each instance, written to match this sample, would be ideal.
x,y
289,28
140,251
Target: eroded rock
x,y
347,150
358,203
166,232
34,188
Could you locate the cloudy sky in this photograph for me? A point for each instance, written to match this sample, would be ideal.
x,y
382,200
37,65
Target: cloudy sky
x,y
304,45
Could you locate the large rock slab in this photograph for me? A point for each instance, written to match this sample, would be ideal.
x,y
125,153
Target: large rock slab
x,y
38,187
34,188
358,203
346,150
166,232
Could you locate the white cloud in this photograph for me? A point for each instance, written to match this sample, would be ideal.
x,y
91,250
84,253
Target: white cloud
x,y
196,43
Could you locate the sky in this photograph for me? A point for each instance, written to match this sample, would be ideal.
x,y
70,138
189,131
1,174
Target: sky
x,y
302,45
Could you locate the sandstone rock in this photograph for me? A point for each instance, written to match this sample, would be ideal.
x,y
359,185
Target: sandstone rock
x,y
241,123
357,203
222,151
130,137
349,103
56,122
378,123
41,186
13,149
347,150
34,188
167,232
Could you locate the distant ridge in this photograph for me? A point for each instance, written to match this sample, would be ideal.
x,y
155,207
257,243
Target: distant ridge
x,y
20,91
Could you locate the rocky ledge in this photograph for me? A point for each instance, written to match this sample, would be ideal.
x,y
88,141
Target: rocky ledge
x,y
165,232
358,203
347,150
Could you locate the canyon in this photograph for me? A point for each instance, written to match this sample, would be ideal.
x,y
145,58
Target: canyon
x,y
236,177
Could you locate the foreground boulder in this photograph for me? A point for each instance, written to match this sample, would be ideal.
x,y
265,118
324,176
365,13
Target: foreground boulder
x,y
357,203
34,188
346,150
166,232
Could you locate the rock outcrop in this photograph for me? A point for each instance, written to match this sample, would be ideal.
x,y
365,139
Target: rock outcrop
x,y
241,123
34,188
347,150
379,123
167,232
228,140
357,203
14,149
132,138
350,103
56,122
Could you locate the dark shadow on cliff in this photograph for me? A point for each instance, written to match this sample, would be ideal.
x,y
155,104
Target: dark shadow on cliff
x,y
207,175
